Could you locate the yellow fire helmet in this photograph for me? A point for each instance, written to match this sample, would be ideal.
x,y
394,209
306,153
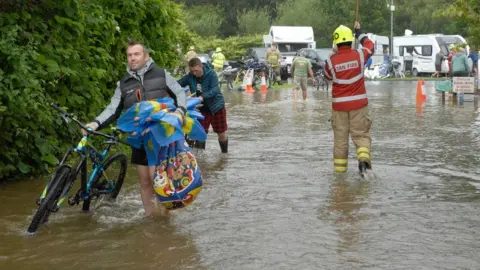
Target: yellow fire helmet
x,y
452,46
342,34
219,49
192,48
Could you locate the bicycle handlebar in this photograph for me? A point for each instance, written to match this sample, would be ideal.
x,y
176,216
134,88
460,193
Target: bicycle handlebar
x,y
65,115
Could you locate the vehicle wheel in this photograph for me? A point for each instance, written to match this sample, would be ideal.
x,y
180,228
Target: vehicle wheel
x,y
108,185
415,72
49,203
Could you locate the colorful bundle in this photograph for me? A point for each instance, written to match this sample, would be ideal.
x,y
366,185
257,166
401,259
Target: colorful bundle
x,y
161,132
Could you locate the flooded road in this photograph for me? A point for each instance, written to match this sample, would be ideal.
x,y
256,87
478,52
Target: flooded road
x,y
273,202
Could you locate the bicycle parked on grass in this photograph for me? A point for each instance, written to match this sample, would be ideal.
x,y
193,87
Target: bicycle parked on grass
x,y
271,76
97,184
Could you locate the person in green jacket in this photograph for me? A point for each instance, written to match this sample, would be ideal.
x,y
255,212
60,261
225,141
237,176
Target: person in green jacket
x,y
460,64
301,67
272,57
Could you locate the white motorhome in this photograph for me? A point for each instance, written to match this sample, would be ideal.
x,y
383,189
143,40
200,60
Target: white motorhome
x,y
289,40
418,52
381,44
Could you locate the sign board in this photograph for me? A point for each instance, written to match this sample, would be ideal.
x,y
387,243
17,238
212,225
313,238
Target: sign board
x,y
464,85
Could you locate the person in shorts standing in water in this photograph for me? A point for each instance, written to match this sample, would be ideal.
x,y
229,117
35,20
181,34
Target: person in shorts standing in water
x,y
301,68
143,81
203,82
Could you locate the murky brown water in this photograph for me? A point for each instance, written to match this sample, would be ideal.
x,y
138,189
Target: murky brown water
x,y
274,203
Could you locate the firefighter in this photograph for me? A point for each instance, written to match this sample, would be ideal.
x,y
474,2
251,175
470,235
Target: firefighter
x,y
345,68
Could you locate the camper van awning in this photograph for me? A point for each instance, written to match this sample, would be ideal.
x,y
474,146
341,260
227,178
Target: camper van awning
x,y
292,34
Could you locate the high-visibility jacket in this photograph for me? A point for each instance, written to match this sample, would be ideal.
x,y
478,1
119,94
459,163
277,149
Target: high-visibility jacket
x,y
272,56
218,60
346,69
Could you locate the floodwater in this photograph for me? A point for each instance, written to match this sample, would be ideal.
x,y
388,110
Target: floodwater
x,y
273,202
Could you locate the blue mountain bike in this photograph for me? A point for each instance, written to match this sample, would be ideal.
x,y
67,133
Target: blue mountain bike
x,y
97,184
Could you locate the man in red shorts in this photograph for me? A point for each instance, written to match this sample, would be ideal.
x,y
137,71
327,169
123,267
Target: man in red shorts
x,y
203,82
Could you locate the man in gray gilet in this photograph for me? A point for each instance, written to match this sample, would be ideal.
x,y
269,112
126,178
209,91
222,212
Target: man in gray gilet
x,y
143,81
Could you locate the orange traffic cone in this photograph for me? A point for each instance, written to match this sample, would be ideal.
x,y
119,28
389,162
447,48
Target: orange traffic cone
x,y
263,85
419,96
247,81
249,88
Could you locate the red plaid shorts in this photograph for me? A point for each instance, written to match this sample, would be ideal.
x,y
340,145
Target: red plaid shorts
x,y
217,120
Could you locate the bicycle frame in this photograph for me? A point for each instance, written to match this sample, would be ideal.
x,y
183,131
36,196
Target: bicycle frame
x,y
82,168
85,152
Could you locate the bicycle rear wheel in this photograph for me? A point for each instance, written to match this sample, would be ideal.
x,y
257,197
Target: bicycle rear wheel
x,y
48,204
105,184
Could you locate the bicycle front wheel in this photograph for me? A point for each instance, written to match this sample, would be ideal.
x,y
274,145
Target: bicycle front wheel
x,y
48,204
325,84
318,81
109,179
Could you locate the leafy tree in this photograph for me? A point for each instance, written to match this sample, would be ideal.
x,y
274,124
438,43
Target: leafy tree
x,y
204,20
70,52
253,22
466,13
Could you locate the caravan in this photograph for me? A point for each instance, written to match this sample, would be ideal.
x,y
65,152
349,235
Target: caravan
x,y
381,44
289,40
417,52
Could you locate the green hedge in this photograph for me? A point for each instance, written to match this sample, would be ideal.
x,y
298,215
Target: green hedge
x,y
232,47
71,52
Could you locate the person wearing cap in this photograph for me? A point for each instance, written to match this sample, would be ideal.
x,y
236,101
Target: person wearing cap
x,y
301,68
345,68
218,60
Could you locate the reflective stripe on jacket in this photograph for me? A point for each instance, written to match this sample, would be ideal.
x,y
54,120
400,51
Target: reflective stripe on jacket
x,y
346,70
218,60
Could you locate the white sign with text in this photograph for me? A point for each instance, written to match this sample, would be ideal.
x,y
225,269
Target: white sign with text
x,y
464,85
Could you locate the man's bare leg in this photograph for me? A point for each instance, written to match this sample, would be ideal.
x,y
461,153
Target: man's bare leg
x,y
145,177
222,136
295,94
304,92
